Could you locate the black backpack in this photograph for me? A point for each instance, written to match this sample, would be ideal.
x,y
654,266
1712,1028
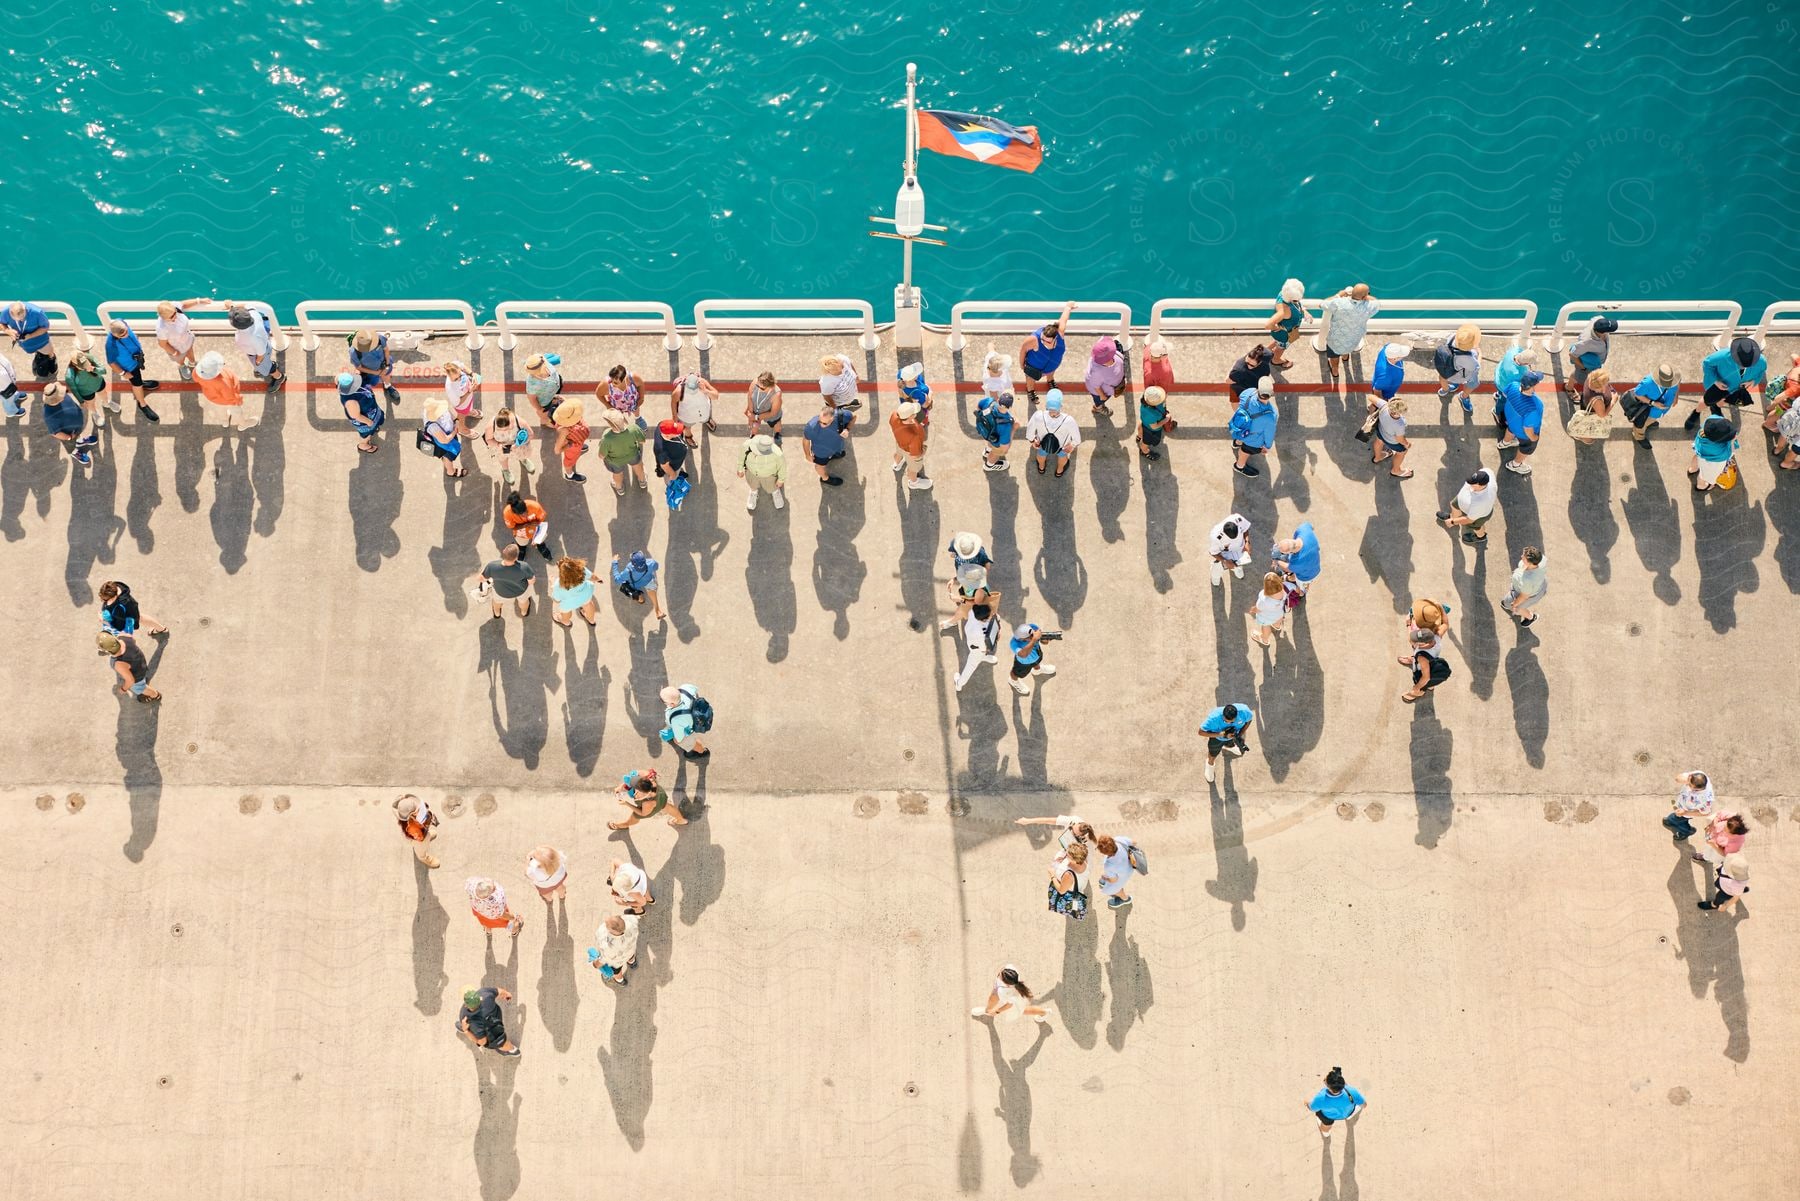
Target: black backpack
x,y
700,709
1444,359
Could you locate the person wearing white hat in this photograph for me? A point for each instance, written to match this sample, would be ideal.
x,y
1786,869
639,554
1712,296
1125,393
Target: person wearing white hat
x,y
914,388
217,384
1290,311
764,468
907,422
175,333
692,401
419,824
1158,371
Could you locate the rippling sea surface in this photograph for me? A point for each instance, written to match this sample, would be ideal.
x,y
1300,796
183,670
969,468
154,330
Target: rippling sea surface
x,y
670,151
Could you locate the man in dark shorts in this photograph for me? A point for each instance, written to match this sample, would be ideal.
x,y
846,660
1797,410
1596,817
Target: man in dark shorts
x,y
671,449
126,355
1429,668
1028,658
509,579
1224,729
1249,371
481,1022
825,441
1042,352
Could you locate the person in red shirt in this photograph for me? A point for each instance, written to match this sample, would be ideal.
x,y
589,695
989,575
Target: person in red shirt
x,y
529,524
1158,371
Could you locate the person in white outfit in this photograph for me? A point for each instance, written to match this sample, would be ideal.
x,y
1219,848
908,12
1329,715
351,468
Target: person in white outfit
x,y
996,379
692,403
1053,432
981,636
1009,999
837,382
1230,547
616,952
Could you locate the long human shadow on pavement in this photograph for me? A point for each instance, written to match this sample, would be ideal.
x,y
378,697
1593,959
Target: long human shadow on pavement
x,y
94,524
1109,470
1060,574
1291,460
1007,570
1292,696
1234,879
837,569
467,511
1519,514
1162,517
919,530
1590,508
268,461
1079,996
1729,533
496,1150
1708,944
375,491
769,577
558,998
1015,1107
1431,750
696,860
1128,978
1655,523
1530,696
1387,542
521,679
1782,505
644,682
430,922
1475,631
144,492
33,468
587,686
695,540
234,501
135,745
1345,1187
625,1062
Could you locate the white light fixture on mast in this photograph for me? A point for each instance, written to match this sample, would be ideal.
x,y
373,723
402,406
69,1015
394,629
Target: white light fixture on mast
x,y
908,222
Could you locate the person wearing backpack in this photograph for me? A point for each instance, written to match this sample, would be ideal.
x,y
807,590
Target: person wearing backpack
x,y
686,716
994,422
1053,432
981,629
1252,426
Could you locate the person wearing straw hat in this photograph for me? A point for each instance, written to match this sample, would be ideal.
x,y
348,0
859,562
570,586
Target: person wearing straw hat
x,y
1153,420
763,468
908,426
438,434
419,825
622,449
1457,361
370,358
572,437
129,665
1645,405
217,384
1290,311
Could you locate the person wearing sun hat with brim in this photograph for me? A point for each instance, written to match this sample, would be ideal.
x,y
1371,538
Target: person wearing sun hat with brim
x,y
763,467
1646,404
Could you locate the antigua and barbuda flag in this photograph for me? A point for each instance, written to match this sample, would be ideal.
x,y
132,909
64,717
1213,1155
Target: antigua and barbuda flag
x,y
984,139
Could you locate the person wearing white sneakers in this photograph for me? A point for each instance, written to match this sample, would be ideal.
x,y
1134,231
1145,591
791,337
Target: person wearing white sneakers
x,y
1522,413
981,632
1224,729
1028,657
1008,999
1230,545
1336,1102
909,443
764,468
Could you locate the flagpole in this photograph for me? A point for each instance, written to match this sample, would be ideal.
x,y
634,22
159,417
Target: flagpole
x,y
907,305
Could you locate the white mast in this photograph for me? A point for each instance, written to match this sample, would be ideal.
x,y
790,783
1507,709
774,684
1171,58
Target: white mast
x,y
908,222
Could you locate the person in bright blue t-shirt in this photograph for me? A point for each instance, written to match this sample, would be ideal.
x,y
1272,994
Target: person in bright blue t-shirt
x,y
1513,364
1523,415
1390,370
1336,1102
914,388
1297,558
1253,425
1654,396
1224,729
1028,658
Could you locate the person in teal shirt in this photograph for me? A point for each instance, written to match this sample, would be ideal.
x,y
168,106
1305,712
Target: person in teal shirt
x,y
1224,729
1728,375
1336,1102
1654,396
1714,446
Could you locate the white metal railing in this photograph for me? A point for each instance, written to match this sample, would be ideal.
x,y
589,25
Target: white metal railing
x,y
1721,330
1442,316
310,326
705,322
961,324
76,330
1771,316
512,319
1254,315
207,318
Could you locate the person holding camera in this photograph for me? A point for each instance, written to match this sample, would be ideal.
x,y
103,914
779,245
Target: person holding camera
x,y
1028,656
1224,729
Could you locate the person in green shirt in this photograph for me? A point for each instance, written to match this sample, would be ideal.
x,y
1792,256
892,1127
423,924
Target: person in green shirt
x,y
86,383
622,447
764,468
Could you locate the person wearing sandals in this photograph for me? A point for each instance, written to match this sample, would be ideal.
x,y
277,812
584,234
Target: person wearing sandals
x,y
1009,999
1068,891
460,386
1052,432
1336,1102
439,427
1108,372
573,592
1349,313
1158,371
129,665
1042,353
622,391
487,901
121,614
1425,655
1530,583
548,870
630,887
1714,447
691,403
543,385
571,437
636,578
622,449
361,409
616,952
1457,361
510,441
1391,441
1646,404
643,796
762,406
1284,323
1153,421
1596,397
1472,508
481,1022
1269,611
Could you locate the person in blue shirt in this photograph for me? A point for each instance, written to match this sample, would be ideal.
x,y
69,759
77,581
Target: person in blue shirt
x,y
1042,352
1224,729
636,578
1336,1102
369,355
1253,426
363,410
825,441
994,422
1390,370
29,326
1513,364
126,355
1523,415
1714,447
1153,420
1028,658
1654,396
1589,354
1728,375
67,420
1297,559
914,388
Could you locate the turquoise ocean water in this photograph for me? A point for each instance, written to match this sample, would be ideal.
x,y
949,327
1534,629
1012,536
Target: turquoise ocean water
x,y
670,151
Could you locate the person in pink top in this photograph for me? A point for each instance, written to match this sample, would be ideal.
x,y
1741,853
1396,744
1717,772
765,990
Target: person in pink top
x,y
1724,837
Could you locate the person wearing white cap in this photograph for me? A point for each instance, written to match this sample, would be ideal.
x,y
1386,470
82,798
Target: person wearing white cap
x,y
914,388
909,443
217,384
1028,657
764,468
1053,432
1290,311
1390,370
1230,545
175,333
